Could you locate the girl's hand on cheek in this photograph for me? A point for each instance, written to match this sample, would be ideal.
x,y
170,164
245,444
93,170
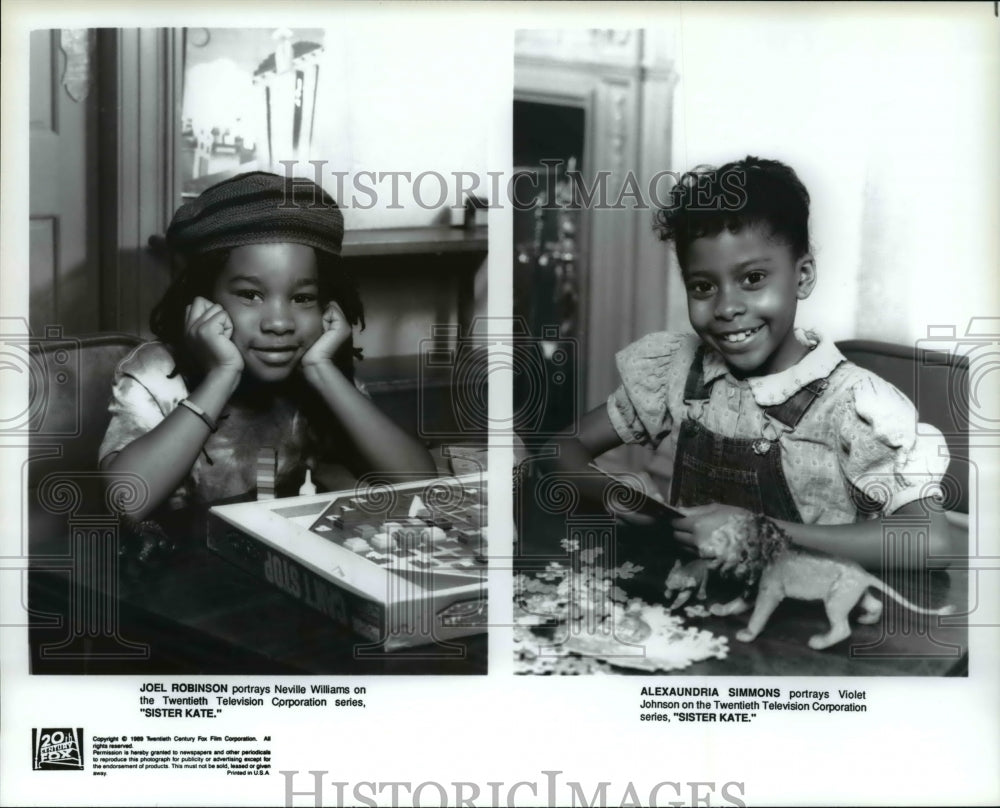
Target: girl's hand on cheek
x,y
336,330
701,521
208,330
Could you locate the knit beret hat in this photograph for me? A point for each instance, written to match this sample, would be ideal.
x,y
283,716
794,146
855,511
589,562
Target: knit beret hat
x,y
257,208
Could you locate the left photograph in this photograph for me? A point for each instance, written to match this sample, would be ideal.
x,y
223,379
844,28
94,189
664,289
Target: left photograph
x,y
257,399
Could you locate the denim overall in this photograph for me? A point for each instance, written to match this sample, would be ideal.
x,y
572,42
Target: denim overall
x,y
742,472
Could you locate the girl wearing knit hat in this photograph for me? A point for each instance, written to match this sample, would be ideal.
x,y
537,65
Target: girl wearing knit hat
x,y
255,350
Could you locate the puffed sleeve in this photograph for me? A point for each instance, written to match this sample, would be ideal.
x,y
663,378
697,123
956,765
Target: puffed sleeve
x,y
886,455
143,393
638,409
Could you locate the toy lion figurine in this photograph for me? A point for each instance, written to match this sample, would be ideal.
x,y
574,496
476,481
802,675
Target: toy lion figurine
x,y
685,579
755,550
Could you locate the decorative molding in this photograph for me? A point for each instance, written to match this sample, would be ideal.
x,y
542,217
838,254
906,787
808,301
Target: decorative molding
x,y
623,80
618,126
141,119
619,47
75,45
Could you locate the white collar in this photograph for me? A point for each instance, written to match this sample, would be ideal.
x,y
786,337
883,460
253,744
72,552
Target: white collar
x,y
818,363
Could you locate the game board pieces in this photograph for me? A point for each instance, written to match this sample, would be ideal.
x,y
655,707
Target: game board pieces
x,y
357,545
417,507
440,546
381,542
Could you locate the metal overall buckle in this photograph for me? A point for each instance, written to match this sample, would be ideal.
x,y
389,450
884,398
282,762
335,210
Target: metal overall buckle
x,y
769,434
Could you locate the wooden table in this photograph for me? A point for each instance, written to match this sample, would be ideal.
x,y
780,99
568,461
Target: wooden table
x,y
202,615
902,643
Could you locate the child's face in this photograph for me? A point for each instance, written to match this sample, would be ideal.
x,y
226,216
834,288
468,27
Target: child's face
x,y
742,290
271,293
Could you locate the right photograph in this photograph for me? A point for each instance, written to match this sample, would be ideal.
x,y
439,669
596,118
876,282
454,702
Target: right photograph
x,y
744,397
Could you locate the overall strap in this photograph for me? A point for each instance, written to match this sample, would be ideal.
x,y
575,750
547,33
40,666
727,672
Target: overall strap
x,y
791,411
695,388
788,412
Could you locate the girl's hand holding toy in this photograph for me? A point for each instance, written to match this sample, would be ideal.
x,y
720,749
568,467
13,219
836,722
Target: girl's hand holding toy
x,y
701,521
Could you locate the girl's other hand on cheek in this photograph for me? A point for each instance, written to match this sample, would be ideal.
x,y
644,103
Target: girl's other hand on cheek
x,y
336,330
209,331
700,521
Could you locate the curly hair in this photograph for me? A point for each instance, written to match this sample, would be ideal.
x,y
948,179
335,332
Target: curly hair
x,y
195,276
744,193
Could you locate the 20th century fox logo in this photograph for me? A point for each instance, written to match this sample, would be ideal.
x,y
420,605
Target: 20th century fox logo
x,y
57,749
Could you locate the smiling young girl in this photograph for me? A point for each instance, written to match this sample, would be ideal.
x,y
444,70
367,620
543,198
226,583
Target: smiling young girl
x,y
762,416
255,350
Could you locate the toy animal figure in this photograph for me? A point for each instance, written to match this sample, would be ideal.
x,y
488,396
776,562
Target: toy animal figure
x,y
757,551
684,579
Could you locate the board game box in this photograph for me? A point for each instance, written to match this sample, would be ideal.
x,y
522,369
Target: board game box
x,y
402,565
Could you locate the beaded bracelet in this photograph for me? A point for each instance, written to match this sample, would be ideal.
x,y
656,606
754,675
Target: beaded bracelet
x,y
200,413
